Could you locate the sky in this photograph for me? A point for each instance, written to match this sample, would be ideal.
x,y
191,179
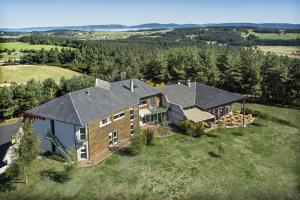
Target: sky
x,y
37,13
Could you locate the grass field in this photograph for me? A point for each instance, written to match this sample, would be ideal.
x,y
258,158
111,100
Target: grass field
x,y
23,73
260,161
112,35
291,51
25,46
274,36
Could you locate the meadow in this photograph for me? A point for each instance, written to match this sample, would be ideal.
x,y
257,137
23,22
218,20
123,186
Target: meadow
x,y
274,36
291,51
260,161
17,46
24,73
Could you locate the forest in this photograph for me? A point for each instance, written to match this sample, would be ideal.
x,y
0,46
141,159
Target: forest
x,y
265,78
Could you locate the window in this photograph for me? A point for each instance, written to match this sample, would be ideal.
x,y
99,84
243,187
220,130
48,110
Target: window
x,y
83,152
105,121
110,140
132,128
227,109
143,102
153,102
82,135
115,135
113,138
119,115
131,114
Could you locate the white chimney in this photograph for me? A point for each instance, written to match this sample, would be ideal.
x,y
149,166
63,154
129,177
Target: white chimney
x,y
189,82
102,84
131,85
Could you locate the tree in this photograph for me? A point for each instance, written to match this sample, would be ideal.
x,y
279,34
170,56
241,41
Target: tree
x,y
209,61
230,66
250,69
274,79
49,88
6,103
156,70
28,148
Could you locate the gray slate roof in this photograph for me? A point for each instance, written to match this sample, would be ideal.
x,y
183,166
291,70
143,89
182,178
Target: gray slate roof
x,y
83,106
200,95
141,89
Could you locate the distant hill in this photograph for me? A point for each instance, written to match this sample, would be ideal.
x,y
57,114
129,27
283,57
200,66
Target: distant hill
x,y
119,27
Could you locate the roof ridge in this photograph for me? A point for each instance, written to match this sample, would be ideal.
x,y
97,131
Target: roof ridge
x,y
75,108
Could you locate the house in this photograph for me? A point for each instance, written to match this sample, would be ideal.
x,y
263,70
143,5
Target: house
x,y
9,135
96,120
197,102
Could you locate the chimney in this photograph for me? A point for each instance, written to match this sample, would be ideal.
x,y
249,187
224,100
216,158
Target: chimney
x,y
189,82
102,84
131,85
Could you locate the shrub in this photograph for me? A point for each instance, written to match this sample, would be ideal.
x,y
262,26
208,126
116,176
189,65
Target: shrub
x,y
185,126
136,141
192,129
149,135
198,130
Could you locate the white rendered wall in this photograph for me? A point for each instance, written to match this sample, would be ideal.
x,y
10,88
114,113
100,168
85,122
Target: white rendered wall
x,y
175,114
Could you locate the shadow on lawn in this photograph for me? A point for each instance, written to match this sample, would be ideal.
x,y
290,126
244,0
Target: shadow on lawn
x,y
214,154
54,175
6,183
126,151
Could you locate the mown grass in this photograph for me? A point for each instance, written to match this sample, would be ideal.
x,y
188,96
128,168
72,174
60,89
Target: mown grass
x,y
24,73
260,161
25,46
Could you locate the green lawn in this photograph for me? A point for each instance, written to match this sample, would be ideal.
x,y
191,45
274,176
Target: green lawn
x,y
24,73
25,46
260,161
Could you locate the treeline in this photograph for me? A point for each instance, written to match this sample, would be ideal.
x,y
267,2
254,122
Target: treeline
x,y
176,37
17,98
270,78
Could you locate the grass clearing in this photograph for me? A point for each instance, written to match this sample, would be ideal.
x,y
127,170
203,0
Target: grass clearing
x,y
25,46
261,163
291,51
24,73
273,36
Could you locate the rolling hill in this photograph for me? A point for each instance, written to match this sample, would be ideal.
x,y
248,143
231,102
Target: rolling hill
x,y
23,73
119,27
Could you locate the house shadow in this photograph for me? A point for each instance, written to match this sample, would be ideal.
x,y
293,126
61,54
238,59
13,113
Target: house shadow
x,y
54,175
126,151
6,183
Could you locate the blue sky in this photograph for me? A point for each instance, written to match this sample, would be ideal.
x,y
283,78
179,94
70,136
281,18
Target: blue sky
x,y
30,13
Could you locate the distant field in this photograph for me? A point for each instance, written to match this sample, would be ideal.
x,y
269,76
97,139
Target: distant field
x,y
21,45
274,36
23,73
290,51
111,35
